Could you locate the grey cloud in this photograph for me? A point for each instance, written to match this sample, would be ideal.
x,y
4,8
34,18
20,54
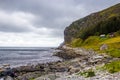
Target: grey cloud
x,y
10,28
16,21
54,14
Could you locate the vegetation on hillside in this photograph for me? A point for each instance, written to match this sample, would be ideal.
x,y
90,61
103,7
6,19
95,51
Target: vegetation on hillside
x,y
112,24
86,32
95,42
102,22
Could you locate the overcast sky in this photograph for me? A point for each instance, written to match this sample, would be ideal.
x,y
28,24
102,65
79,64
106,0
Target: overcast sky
x,y
42,22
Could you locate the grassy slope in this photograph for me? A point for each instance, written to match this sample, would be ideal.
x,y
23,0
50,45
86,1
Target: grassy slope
x,y
94,42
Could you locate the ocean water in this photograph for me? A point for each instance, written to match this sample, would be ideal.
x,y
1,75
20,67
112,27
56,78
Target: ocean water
x,y
17,56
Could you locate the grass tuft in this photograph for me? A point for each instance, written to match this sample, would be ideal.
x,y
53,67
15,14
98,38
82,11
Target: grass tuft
x,y
89,73
112,67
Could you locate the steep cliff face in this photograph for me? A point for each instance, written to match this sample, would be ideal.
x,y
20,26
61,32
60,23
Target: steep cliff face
x,y
102,22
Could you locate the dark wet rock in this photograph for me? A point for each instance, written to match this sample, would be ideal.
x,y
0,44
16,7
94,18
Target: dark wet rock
x,y
34,71
29,76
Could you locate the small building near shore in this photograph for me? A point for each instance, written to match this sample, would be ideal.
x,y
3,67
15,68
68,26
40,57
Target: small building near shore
x,y
102,36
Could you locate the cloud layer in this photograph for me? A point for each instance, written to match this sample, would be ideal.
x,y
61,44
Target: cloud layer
x,y
42,22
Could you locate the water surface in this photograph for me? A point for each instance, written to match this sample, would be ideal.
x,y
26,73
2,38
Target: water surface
x,y
17,56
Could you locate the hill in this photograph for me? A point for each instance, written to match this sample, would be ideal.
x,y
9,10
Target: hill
x,y
103,22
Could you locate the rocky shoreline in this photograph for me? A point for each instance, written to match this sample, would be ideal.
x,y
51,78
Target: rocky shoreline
x,y
75,61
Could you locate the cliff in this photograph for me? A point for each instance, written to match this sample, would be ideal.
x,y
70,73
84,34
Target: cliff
x,y
103,22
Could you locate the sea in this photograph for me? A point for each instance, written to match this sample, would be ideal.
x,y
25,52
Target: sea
x,y
18,56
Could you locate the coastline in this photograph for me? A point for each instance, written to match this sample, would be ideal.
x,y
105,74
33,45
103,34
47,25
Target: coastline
x,y
75,61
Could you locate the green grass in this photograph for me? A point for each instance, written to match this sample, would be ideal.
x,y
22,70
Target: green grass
x,y
77,42
89,73
111,40
113,52
114,46
91,42
95,42
112,67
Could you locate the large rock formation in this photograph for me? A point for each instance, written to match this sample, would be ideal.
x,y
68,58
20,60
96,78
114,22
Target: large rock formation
x,y
102,22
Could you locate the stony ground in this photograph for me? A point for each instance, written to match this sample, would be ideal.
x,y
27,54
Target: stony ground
x,y
88,60
65,76
69,69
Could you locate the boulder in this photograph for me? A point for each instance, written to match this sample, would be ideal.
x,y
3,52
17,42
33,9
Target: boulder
x,y
104,47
